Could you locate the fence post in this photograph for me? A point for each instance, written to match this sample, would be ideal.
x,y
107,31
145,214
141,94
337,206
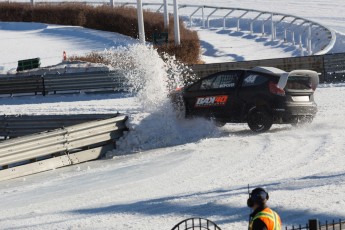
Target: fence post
x,y
272,28
203,17
313,224
309,41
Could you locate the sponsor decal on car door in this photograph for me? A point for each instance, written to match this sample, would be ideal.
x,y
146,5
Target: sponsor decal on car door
x,y
211,101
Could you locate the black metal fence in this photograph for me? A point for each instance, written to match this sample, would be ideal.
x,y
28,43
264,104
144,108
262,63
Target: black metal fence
x,y
196,223
330,66
314,224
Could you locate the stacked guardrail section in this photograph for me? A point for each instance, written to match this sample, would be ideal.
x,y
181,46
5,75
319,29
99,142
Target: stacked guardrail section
x,y
20,125
61,147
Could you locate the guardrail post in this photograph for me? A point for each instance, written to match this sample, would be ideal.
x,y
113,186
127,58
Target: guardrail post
x,y
314,224
252,22
203,17
238,20
309,41
301,45
272,28
208,17
166,15
285,35
190,17
263,27
224,19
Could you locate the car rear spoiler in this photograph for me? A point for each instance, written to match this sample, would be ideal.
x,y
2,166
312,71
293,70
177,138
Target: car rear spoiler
x,y
303,73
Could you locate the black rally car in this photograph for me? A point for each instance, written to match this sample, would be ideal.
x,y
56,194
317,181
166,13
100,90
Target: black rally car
x,y
261,96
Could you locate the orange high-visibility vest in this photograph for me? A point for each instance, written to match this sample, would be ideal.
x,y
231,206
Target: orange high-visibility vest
x,y
269,217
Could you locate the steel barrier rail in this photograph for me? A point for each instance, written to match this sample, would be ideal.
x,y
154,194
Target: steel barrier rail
x,y
21,85
20,125
69,145
112,81
46,84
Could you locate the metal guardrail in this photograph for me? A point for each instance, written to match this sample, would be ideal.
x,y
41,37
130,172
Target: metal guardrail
x,y
64,83
60,147
21,84
100,81
20,125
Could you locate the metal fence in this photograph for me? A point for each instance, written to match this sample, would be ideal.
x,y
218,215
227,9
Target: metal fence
x,y
61,147
64,83
196,223
20,125
314,224
330,66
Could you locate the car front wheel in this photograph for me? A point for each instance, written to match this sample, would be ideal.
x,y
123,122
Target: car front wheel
x,y
259,120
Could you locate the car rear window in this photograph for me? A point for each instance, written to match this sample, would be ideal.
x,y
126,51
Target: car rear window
x,y
253,80
298,83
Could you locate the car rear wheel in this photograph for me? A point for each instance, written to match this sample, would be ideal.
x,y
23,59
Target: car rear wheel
x,y
259,120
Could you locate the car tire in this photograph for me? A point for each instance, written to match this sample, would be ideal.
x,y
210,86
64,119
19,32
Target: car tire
x,y
259,120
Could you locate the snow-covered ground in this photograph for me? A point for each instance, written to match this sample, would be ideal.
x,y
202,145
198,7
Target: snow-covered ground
x,y
180,168
206,175
30,40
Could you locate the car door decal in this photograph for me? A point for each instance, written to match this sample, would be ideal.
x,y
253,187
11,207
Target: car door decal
x,y
211,101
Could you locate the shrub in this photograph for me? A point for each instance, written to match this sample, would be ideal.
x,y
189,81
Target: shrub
x,y
122,20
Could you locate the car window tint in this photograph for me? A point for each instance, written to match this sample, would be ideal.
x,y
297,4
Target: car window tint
x,y
207,83
223,80
253,80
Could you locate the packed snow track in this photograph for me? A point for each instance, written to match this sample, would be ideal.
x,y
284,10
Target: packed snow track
x,y
205,175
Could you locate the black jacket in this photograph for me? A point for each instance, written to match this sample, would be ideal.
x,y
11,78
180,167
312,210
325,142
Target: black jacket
x,y
258,224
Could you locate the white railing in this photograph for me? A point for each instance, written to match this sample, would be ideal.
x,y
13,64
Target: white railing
x,y
312,37
306,31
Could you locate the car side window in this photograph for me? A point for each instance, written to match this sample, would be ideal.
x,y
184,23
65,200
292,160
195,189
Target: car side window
x,y
253,79
222,80
207,83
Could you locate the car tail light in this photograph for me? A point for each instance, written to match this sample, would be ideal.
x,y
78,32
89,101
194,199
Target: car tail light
x,y
313,86
276,90
178,89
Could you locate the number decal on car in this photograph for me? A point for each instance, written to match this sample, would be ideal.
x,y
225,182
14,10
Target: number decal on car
x,y
211,101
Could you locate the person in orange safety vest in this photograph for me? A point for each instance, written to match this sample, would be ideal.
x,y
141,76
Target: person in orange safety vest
x,y
262,217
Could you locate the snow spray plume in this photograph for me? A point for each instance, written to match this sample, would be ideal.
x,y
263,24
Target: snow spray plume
x,y
151,78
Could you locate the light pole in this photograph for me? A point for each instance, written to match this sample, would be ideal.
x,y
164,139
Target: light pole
x,y
166,15
141,22
177,24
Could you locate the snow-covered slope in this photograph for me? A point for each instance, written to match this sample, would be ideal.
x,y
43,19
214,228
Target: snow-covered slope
x,y
30,40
